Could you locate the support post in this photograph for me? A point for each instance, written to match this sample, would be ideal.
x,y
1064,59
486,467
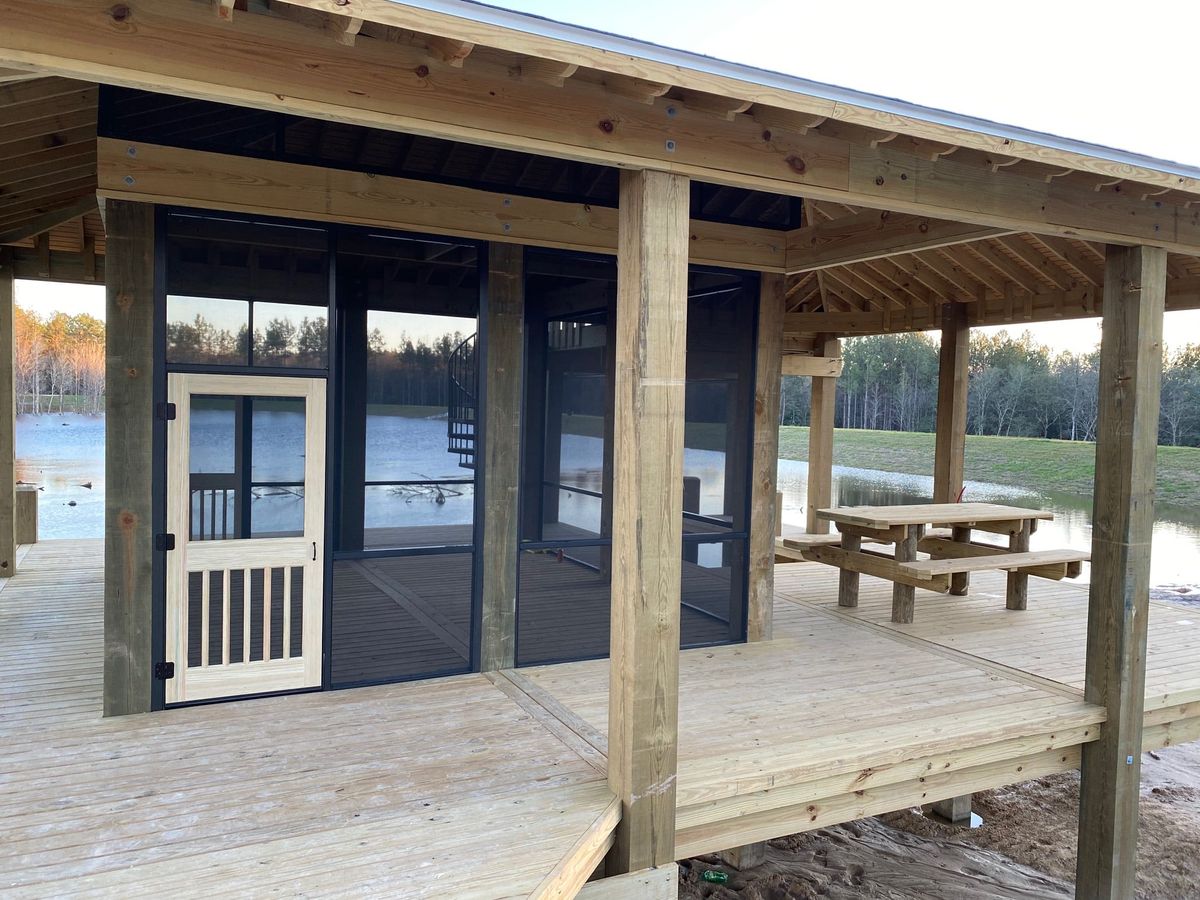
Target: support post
x,y
951,424
503,341
764,498
128,449
651,336
820,438
8,421
1118,600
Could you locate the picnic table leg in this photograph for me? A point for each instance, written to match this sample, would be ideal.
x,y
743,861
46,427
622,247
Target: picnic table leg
x,y
847,580
1017,596
960,581
904,595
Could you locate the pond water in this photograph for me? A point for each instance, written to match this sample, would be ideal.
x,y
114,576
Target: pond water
x,y
64,456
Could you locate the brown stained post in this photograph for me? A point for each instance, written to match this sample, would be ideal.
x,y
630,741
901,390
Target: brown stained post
x,y
128,448
820,438
764,498
651,336
503,347
8,443
1119,596
904,595
952,404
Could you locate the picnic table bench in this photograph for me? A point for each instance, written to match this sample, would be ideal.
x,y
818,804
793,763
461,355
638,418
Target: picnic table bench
x,y
951,559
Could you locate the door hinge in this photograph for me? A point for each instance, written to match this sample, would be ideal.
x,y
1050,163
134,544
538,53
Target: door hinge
x,y
164,542
165,411
164,670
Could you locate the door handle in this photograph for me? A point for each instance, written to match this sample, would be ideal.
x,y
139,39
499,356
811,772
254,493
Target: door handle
x,y
314,551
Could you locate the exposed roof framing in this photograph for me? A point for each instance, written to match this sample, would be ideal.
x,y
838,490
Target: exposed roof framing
x,y
708,123
47,155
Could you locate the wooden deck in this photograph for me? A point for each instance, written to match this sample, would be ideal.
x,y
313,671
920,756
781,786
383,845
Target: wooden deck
x,y
473,786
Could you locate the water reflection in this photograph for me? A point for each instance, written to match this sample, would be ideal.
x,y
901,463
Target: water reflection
x,y
1175,555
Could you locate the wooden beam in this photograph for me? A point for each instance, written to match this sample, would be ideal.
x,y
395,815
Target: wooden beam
x,y
214,180
129,459
449,51
651,334
822,411
951,427
812,366
8,422
1119,596
874,235
46,221
271,63
764,498
12,76
503,343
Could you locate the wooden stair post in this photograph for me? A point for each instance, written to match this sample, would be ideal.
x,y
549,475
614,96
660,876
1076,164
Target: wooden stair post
x,y
651,336
1119,597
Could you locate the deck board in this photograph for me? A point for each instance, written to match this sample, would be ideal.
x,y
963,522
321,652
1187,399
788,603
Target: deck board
x,y
445,788
474,786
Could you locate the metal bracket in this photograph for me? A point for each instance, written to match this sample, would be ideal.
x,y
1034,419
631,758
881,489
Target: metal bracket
x,y
164,542
164,670
165,411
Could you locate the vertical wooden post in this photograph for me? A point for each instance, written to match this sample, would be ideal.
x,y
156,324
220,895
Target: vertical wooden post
x,y
952,404
820,438
1118,603
1017,588
904,595
128,455
764,498
651,336
503,345
8,423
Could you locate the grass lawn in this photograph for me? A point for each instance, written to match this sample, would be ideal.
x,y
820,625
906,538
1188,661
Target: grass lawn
x,y
1041,465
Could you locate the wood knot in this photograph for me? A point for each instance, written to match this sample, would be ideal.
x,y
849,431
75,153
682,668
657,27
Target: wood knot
x,y
127,520
796,164
607,126
879,181
125,301
766,135
132,372
119,13
422,71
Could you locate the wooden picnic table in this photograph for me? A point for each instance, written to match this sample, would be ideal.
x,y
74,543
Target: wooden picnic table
x,y
953,557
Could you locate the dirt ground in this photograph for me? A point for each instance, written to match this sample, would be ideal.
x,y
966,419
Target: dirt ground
x,y
1024,849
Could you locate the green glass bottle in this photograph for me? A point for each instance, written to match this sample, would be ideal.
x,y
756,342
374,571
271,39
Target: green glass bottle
x,y
714,877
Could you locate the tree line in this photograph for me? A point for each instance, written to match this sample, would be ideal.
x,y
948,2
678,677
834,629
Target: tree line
x,y
59,363
1017,387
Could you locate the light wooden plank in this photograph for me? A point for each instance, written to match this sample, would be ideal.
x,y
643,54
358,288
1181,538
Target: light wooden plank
x,y
649,884
1118,602
931,513
170,175
1010,561
811,366
647,515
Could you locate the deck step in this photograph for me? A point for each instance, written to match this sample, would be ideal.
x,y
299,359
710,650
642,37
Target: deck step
x,y
661,883
571,873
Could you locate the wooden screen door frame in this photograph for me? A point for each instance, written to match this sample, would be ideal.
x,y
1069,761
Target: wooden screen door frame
x,y
230,561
